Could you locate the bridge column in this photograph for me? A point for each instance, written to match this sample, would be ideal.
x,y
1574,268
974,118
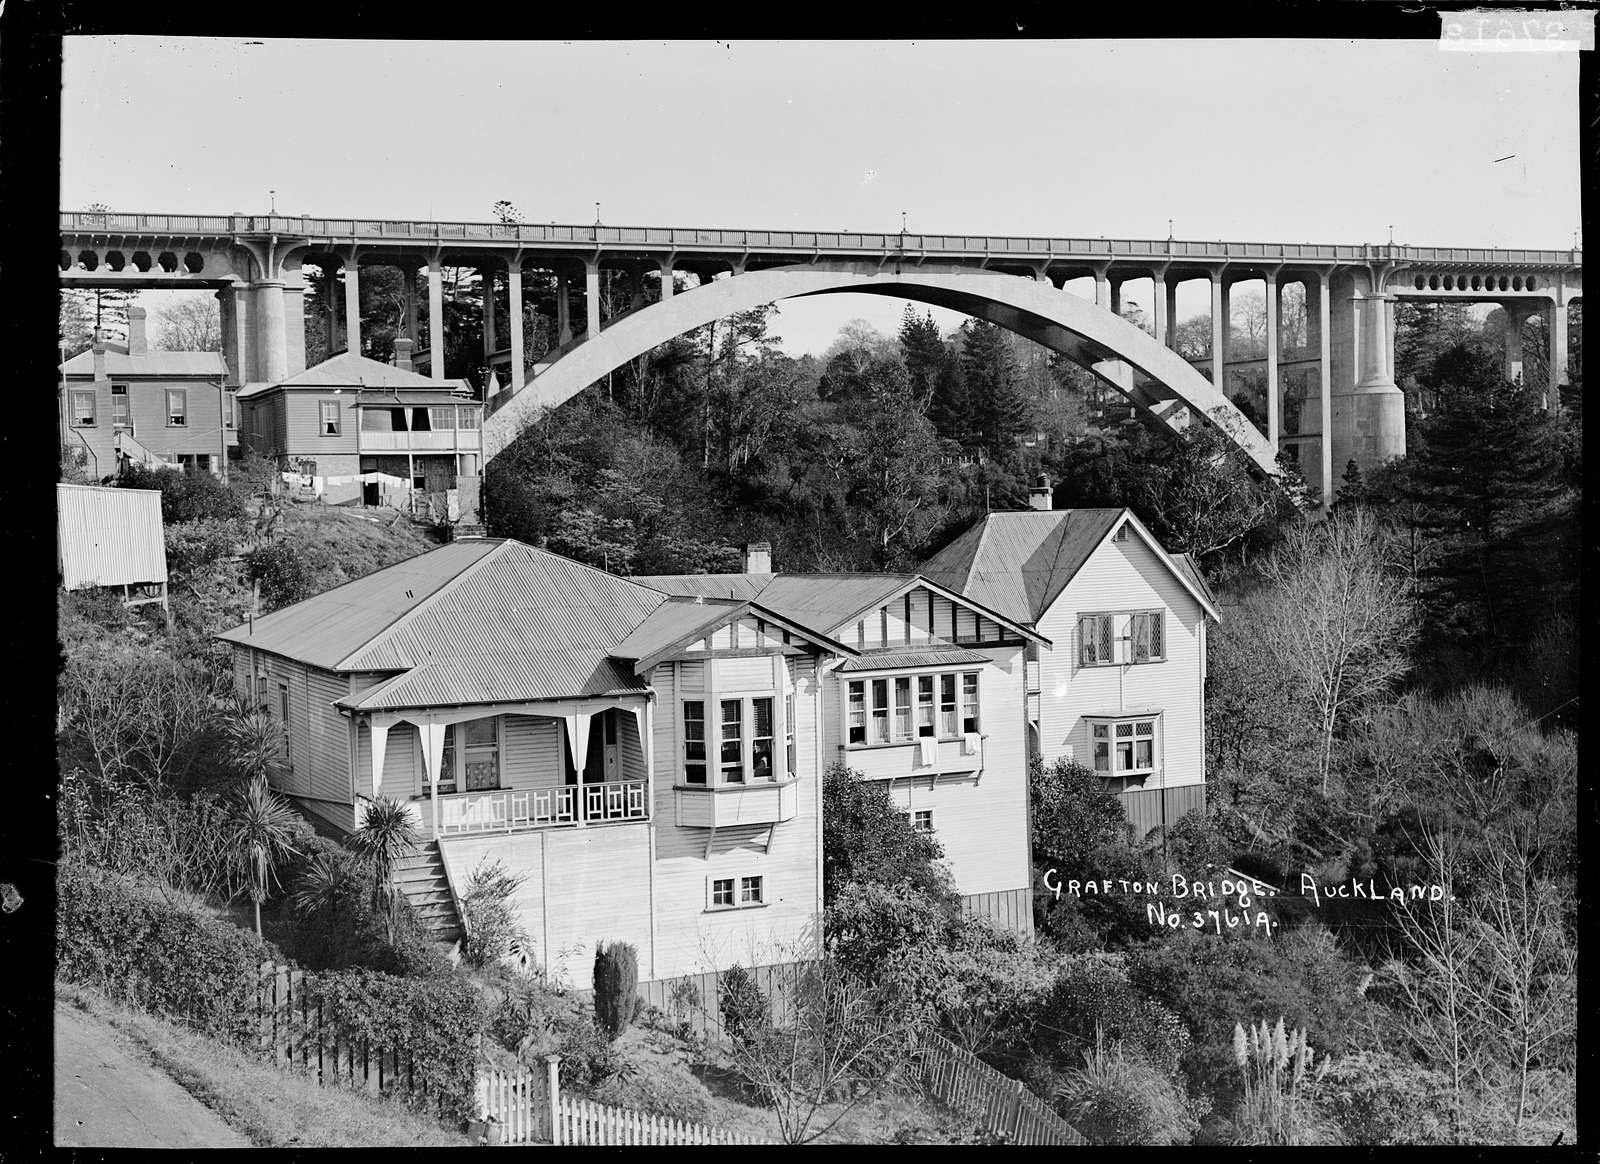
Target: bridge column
x,y
234,317
1159,307
1556,330
486,282
514,322
435,319
563,310
272,350
409,298
1369,419
1273,393
667,281
1516,315
1226,333
591,291
352,305
1324,329
1219,316
1171,337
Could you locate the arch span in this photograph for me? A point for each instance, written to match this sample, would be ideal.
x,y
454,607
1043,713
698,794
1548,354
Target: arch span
x,y
1086,334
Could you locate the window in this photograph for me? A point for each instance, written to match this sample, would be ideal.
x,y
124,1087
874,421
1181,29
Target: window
x,y
261,692
947,705
419,420
736,892
283,714
694,742
922,820
858,712
1124,747
880,711
749,891
119,406
328,417
442,418
732,752
83,408
925,725
722,893
1122,533
383,420
1146,633
902,708
969,702
761,739
788,725
177,408
467,417
480,762
1095,642
447,762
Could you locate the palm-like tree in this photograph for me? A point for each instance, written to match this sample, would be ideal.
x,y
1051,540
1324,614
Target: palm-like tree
x,y
385,837
262,827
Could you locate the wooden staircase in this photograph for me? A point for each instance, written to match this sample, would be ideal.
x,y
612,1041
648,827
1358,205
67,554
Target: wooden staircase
x,y
423,881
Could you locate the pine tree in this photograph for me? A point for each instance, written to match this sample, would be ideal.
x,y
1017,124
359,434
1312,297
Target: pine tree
x,y
998,408
925,355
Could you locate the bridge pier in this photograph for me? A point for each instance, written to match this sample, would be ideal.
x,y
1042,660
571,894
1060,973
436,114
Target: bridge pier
x,y
1274,389
486,284
1219,315
514,322
352,304
591,291
1367,418
271,342
1516,315
436,337
1556,330
234,315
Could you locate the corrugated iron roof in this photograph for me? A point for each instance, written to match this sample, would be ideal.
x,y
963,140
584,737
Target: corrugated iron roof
x,y
1019,563
891,660
824,602
119,362
1191,570
349,370
109,537
477,621
735,586
671,622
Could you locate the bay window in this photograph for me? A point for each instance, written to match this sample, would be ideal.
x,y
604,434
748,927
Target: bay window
x,y
694,742
1124,747
732,753
788,725
904,708
761,739
746,740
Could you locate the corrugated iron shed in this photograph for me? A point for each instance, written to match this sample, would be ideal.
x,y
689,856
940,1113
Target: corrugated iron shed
x,y
109,537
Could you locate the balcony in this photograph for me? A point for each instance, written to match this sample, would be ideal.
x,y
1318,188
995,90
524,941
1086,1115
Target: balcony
x,y
893,761
512,810
445,441
719,806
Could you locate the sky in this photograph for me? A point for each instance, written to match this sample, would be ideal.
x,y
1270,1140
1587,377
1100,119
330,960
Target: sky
x,y
1270,140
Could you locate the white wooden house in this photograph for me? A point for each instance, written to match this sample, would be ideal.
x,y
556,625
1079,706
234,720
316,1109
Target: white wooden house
x,y
1121,686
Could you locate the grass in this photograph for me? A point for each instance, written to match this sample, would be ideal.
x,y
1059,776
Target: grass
x,y
341,543
270,1107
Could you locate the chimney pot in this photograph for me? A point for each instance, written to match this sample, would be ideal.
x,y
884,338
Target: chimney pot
x,y
758,558
402,354
1041,496
138,344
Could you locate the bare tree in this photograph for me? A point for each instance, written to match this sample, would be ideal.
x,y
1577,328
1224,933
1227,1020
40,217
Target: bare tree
x,y
833,1054
192,324
1345,616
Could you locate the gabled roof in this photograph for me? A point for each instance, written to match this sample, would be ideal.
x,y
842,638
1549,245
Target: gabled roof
x,y
476,621
198,365
827,602
675,624
349,370
1019,563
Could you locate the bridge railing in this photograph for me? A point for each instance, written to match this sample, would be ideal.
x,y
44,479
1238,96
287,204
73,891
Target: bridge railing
x,y
1028,248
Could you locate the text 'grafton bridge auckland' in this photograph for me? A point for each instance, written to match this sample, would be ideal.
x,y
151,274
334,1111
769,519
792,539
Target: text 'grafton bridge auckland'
x,y
1330,396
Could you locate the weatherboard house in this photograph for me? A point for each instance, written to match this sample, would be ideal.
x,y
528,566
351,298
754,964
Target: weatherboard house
x,y
1120,685
648,754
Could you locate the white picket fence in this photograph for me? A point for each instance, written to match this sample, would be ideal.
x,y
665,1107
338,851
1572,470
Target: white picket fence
x,y
578,1121
528,1108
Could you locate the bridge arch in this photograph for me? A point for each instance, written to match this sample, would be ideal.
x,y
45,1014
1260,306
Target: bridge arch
x,y
1090,336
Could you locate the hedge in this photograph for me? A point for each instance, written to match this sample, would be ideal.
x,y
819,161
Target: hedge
x,y
117,936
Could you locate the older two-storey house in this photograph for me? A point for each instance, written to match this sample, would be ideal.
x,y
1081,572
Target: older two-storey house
x,y
1120,688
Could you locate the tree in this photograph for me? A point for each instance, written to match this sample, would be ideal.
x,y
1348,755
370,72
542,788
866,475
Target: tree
x,y
386,835
926,357
999,410
864,838
1345,617
263,829
193,324
616,975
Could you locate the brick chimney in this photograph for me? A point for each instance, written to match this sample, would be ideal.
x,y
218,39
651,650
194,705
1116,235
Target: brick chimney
x,y
138,345
1041,496
758,558
99,354
402,354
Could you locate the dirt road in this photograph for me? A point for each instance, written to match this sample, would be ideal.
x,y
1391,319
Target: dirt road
x,y
109,1095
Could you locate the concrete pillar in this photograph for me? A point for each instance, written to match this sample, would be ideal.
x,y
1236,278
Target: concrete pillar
x,y
435,319
235,341
1556,329
1102,290
514,322
1219,320
667,281
591,291
1516,315
1160,309
352,305
563,310
1375,341
1116,297
1367,423
486,282
1171,339
272,351
1314,286
1325,373
1274,394
294,326
408,287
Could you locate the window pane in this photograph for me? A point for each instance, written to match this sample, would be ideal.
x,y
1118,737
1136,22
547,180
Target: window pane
x,y
1145,755
83,408
1102,756
925,710
788,719
732,751
902,708
177,406
447,761
858,712
722,891
468,417
442,418
1124,729
1157,645
947,705
761,739
969,703
750,890
479,731
694,742
880,711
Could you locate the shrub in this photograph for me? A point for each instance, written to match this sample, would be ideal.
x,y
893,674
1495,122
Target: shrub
x,y
1073,814
186,494
616,978
1277,1068
198,547
1378,1098
1115,1098
115,936
744,1008
1093,997
435,1024
864,838
283,574
492,928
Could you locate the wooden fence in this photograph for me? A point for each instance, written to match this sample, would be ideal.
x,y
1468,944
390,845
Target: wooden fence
x,y
692,998
528,1108
295,1033
1001,1104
